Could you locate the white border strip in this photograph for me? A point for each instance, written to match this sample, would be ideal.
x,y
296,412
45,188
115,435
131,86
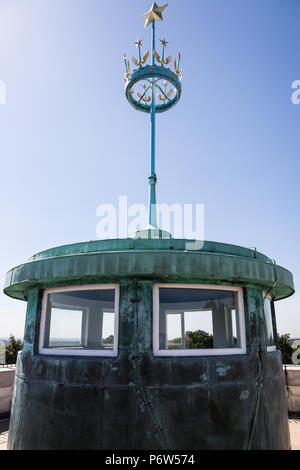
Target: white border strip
x,y
269,296
81,352
198,352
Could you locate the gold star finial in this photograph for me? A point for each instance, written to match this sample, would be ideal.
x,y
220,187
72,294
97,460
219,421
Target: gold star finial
x,y
163,42
154,14
138,42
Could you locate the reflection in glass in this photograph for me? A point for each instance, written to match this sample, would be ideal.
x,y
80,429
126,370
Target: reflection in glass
x,y
108,329
198,319
65,327
82,319
269,324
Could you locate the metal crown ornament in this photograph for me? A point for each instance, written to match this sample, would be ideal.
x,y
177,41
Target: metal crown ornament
x,y
153,88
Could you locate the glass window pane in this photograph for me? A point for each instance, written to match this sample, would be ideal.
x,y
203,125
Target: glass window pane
x,y
198,319
108,329
193,321
198,330
174,331
82,319
234,325
269,324
65,327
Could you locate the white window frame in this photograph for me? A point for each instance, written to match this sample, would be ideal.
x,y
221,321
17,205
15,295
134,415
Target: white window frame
x,y
269,296
80,352
181,313
198,352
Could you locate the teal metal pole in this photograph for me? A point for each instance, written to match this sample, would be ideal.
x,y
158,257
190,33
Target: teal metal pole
x,y
152,177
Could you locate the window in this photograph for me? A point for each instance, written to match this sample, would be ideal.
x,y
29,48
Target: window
x,y
269,323
198,320
80,320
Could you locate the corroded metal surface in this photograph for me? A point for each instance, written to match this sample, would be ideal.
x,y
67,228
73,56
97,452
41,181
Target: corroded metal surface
x,y
111,260
138,401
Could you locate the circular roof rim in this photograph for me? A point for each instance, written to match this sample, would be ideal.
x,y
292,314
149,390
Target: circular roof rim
x,y
136,241
64,270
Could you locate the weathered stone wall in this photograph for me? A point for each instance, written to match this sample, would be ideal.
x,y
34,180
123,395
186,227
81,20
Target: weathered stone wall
x,y
7,378
292,381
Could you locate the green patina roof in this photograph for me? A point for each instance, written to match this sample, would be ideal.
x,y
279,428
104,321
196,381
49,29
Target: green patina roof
x,y
163,260
147,244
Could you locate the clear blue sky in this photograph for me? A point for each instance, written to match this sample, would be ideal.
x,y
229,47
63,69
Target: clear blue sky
x,y
70,141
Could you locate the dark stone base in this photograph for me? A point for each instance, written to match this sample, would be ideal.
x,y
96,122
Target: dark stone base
x,y
143,402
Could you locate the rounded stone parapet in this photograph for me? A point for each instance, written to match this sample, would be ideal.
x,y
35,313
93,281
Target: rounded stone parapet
x,y
175,260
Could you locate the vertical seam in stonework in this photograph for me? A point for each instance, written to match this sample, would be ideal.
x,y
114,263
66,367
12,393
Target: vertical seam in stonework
x,y
261,358
259,386
140,384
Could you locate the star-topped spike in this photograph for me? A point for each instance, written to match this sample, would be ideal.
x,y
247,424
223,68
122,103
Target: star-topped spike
x,y
163,42
154,14
157,89
138,42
